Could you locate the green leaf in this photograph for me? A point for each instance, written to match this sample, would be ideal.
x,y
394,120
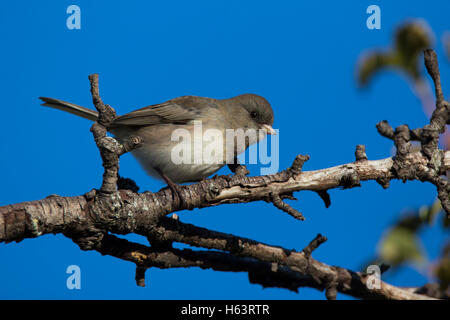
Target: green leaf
x,y
372,63
411,39
429,213
404,55
401,245
442,270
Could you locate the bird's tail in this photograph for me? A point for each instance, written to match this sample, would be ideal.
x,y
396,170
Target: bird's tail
x,y
71,108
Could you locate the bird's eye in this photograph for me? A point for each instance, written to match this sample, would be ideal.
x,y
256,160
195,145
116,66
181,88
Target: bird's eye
x,y
253,114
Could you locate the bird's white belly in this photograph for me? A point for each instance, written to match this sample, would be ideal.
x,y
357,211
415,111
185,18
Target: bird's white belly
x,y
165,158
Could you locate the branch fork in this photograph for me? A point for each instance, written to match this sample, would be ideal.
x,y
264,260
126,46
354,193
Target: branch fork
x,y
110,149
428,136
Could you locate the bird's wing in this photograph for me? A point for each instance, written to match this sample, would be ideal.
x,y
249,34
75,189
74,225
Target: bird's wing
x,y
180,111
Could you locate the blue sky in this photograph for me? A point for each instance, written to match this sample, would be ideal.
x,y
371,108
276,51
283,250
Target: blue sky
x,y
300,55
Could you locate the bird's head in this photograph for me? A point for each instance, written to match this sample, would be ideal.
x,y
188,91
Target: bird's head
x,y
258,111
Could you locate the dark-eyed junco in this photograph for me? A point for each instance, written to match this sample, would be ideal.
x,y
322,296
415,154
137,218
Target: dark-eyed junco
x,y
180,133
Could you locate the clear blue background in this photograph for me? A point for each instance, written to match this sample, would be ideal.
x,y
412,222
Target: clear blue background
x,y
300,55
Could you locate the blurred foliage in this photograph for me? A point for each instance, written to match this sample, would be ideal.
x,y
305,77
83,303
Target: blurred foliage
x,y
428,214
446,43
410,39
442,269
401,244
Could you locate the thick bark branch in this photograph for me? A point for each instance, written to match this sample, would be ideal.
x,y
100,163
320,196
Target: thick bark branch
x,y
144,214
141,211
302,271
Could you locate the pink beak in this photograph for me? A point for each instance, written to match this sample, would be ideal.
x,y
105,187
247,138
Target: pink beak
x,y
269,129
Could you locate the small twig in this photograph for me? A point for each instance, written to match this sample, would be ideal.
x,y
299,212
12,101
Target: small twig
x,y
298,163
360,153
280,204
140,275
385,129
130,144
325,197
402,140
314,244
331,292
237,168
432,65
106,113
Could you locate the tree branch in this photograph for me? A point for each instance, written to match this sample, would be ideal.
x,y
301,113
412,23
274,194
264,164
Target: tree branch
x,y
90,219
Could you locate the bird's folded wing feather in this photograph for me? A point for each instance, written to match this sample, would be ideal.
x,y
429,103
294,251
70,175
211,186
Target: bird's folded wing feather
x,y
167,112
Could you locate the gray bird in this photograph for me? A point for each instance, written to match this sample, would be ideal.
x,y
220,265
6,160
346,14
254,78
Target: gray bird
x,y
156,124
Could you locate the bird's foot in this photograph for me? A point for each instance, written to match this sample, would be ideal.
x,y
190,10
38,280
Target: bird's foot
x,y
177,193
177,190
